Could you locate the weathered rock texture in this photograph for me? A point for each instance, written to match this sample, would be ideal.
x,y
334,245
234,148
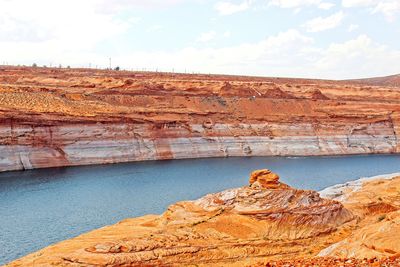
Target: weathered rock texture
x,y
376,202
59,117
266,220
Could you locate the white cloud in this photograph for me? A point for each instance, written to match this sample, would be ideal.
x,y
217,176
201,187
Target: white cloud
x,y
321,24
301,3
389,8
289,54
358,3
60,22
326,5
353,27
47,31
271,56
359,57
296,10
117,5
293,3
205,37
227,34
229,8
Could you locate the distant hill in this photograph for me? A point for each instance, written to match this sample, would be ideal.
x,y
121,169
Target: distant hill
x,y
393,80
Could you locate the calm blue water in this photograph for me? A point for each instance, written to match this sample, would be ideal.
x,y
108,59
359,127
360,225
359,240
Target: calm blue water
x,y
41,207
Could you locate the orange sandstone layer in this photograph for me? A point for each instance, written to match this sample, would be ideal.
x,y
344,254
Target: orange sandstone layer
x,y
332,262
374,239
376,202
64,117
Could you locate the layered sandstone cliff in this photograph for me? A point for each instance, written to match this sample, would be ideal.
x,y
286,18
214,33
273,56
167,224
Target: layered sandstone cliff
x,y
267,223
63,117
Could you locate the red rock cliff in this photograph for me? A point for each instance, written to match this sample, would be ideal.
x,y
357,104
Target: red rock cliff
x,y
59,117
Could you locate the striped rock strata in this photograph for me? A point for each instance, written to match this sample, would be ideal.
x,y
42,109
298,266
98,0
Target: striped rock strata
x,y
58,117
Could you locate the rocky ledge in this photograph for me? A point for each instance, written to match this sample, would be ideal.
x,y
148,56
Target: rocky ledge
x,y
266,223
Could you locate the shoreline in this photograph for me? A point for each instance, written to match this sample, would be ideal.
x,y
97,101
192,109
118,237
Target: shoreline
x,y
339,192
205,158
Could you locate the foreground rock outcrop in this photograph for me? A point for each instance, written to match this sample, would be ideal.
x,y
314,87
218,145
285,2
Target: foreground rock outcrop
x,y
376,202
63,117
266,219
267,223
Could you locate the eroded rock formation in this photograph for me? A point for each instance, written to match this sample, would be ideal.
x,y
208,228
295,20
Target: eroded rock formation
x,y
267,219
265,179
62,117
376,202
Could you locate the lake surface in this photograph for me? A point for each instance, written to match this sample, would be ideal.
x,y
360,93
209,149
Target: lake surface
x,y
41,207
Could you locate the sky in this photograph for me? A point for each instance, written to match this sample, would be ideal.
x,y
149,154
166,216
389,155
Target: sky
x,y
332,39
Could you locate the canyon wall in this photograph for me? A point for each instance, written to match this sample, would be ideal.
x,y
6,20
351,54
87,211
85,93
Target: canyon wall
x,y
28,147
52,117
